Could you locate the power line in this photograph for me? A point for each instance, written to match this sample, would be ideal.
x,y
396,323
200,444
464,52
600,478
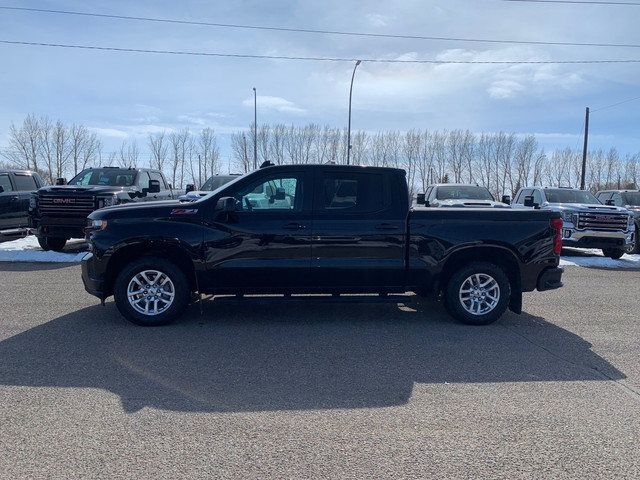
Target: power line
x,y
581,2
320,59
325,32
615,104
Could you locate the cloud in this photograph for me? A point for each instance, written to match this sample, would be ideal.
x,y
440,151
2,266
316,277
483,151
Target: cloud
x,y
376,20
277,104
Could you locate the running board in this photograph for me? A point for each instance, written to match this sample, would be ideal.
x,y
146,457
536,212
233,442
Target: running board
x,y
299,298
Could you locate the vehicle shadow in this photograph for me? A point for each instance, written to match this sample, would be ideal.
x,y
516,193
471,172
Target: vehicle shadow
x,y
252,357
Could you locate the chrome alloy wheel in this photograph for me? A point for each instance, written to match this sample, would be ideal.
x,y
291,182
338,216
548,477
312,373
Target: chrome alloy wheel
x,y
150,292
479,294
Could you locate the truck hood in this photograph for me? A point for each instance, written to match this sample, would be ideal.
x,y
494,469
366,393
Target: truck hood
x,y
469,203
159,208
584,207
84,189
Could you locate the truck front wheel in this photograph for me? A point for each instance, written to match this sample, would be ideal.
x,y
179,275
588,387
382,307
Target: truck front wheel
x,y
614,253
478,293
52,243
151,292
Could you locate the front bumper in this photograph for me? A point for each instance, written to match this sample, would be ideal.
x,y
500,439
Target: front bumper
x,y
590,239
93,282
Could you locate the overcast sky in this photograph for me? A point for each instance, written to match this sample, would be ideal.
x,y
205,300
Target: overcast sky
x,y
127,95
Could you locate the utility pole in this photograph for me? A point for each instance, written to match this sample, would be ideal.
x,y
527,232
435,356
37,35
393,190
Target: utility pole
x,y
584,149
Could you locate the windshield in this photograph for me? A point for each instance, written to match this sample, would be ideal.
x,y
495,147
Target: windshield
x,y
463,192
114,177
632,198
232,179
216,182
571,196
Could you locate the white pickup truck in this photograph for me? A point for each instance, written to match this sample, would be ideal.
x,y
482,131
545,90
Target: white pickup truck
x,y
587,223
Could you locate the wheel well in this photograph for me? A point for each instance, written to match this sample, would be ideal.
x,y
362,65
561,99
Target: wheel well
x,y
501,257
126,255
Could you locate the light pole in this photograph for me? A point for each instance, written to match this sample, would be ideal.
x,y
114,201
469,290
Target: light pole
x,y
349,126
255,129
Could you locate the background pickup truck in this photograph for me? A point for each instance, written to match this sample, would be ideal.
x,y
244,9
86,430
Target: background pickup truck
x,y
15,190
58,213
587,222
304,229
460,195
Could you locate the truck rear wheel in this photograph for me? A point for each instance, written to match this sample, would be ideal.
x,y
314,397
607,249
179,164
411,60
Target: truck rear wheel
x,y
151,292
52,243
478,293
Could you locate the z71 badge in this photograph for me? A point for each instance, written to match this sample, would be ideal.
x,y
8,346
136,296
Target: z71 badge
x,y
184,211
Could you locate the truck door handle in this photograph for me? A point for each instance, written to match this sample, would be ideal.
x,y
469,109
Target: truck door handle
x,y
386,226
15,199
293,226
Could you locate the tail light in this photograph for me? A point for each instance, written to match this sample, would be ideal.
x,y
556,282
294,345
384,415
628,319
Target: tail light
x,y
556,223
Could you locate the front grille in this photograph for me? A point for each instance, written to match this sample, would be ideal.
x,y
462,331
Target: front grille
x,y
67,205
603,221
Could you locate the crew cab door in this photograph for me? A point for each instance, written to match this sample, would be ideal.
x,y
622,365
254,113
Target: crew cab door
x,y
265,244
358,238
14,201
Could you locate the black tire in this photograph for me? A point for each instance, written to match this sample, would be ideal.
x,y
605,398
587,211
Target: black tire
x,y
478,293
614,253
636,245
52,243
151,292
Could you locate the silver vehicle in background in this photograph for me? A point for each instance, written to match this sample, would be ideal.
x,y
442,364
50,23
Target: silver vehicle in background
x,y
587,223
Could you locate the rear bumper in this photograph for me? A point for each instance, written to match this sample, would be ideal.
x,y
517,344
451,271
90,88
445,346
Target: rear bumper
x,y
550,279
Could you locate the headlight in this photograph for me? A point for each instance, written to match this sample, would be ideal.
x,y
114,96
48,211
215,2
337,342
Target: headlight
x,y
107,201
33,202
98,224
569,216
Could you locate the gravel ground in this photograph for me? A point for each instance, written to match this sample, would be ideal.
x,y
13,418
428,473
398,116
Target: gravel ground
x,y
340,391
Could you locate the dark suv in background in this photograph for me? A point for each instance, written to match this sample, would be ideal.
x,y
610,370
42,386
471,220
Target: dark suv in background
x,y
15,190
629,199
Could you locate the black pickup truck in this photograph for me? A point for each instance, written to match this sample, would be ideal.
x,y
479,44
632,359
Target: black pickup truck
x,y
310,229
15,192
58,213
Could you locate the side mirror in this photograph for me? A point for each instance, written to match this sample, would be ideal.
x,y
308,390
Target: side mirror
x,y
610,202
1,189
506,199
190,188
420,199
61,181
226,205
528,202
154,186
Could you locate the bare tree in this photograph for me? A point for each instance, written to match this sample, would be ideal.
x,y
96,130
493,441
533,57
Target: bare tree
x,y
24,144
276,143
159,149
85,147
128,155
209,154
240,151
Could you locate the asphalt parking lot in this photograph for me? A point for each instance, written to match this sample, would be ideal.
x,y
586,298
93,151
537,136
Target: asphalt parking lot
x,y
263,390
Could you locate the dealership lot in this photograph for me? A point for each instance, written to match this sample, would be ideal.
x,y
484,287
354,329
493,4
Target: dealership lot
x,y
288,390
